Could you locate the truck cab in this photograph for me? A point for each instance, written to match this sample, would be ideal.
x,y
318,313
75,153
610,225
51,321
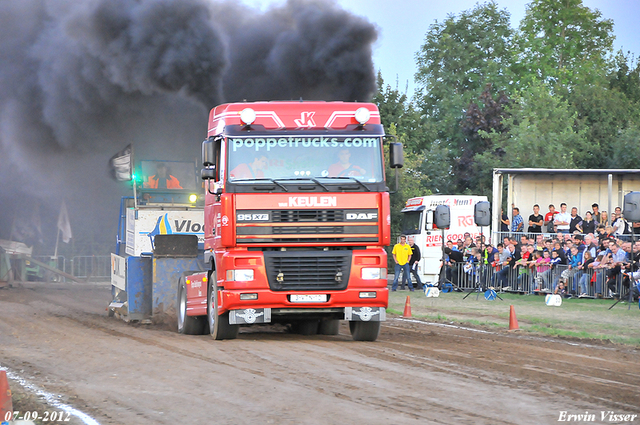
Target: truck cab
x,y
418,222
296,220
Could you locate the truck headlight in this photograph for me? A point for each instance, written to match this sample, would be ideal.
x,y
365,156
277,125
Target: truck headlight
x,y
240,275
371,273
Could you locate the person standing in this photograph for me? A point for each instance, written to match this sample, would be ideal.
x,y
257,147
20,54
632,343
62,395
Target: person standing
x,y
549,219
596,212
518,223
576,221
504,222
589,225
618,258
413,262
620,225
401,255
563,219
509,258
604,219
536,221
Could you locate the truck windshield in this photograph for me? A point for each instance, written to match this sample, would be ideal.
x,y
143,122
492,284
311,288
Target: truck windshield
x,y
319,157
411,222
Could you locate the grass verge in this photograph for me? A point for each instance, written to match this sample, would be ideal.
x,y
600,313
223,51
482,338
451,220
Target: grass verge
x,y
578,318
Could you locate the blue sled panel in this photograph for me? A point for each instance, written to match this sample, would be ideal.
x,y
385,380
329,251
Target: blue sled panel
x,y
166,274
139,287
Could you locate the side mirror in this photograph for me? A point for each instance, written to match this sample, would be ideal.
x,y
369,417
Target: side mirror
x,y
208,152
428,224
442,219
211,149
396,155
482,213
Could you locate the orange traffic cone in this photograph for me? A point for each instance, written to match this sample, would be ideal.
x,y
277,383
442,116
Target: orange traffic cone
x,y
513,321
407,308
6,405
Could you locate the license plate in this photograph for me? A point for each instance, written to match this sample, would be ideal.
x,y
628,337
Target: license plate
x,y
308,298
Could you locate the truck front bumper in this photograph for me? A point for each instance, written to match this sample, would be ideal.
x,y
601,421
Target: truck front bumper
x,y
249,316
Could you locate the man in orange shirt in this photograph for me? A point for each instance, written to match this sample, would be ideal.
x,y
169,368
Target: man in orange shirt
x,y
251,170
162,179
344,167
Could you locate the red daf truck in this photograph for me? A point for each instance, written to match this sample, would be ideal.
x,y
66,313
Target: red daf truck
x,y
296,220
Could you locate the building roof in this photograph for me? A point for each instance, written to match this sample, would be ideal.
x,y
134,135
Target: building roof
x,y
566,171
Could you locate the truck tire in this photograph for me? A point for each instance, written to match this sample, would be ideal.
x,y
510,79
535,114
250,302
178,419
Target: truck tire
x,y
188,325
219,326
364,331
329,327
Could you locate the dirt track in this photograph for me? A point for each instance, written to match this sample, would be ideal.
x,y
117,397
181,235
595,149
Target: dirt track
x,y
416,373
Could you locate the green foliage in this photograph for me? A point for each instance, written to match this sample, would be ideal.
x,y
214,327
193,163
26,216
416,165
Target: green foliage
x,y
626,78
458,58
551,94
541,134
563,43
400,119
462,54
477,122
396,109
625,149
576,105
603,113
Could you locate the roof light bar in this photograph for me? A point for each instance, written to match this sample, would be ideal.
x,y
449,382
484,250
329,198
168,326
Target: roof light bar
x,y
363,115
248,116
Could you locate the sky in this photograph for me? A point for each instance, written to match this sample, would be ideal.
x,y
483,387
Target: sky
x,y
89,111
402,25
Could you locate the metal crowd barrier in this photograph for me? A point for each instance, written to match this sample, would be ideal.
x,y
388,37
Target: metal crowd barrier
x,y
526,280
91,266
518,235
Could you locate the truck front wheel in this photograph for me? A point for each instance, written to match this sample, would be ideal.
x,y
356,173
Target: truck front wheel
x,y
189,325
219,326
364,331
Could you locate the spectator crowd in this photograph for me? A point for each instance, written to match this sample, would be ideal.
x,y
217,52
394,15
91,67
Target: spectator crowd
x,y
561,252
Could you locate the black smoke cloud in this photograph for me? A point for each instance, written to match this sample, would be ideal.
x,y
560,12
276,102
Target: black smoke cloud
x,y
80,79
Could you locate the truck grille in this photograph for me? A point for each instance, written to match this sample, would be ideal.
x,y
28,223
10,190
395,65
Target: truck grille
x,y
307,270
307,226
289,216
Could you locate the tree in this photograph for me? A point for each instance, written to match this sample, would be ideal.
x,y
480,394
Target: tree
x,y
603,113
479,121
459,57
626,77
563,43
400,119
625,149
395,108
541,135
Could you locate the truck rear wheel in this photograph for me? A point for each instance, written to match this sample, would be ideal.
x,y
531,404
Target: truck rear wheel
x,y
189,325
364,331
219,326
329,327
306,327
